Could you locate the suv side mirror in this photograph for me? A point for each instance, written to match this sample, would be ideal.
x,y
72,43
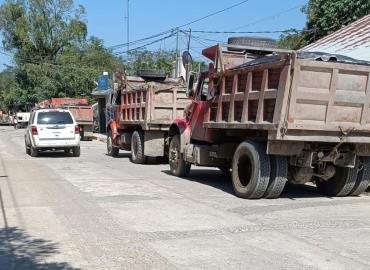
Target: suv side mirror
x,y
190,91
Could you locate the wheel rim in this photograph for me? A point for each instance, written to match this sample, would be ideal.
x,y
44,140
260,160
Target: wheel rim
x,y
134,148
109,145
174,157
244,170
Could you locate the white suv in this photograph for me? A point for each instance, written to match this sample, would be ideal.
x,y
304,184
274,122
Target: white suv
x,y
52,129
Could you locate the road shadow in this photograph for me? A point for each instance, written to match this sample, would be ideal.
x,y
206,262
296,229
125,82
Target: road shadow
x,y
209,177
219,180
18,250
292,191
121,155
53,154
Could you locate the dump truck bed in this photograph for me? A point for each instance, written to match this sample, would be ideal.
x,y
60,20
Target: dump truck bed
x,y
294,99
152,105
82,114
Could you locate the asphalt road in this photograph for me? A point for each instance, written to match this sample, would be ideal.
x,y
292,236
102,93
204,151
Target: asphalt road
x,y
98,212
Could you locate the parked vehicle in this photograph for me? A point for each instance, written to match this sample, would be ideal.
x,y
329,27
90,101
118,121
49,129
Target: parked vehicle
x,y
81,110
52,129
22,119
273,116
140,112
5,119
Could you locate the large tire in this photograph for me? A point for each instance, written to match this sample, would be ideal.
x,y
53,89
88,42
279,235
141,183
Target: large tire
x,y
111,150
250,170
179,167
152,74
33,152
76,151
137,148
278,176
363,177
341,184
252,42
28,149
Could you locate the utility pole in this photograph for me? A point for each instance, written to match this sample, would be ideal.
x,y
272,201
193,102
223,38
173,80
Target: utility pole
x,y
177,54
128,24
189,64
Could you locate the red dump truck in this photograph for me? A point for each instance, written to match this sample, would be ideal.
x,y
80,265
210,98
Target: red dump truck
x,y
273,116
140,112
81,110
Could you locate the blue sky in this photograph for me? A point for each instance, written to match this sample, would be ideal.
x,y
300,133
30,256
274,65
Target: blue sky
x,y
106,19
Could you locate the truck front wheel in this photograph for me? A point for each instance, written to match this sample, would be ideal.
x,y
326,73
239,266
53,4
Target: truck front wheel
x,y
179,167
250,170
112,151
137,148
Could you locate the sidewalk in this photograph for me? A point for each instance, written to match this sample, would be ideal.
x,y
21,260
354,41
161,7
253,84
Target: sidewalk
x,y
100,137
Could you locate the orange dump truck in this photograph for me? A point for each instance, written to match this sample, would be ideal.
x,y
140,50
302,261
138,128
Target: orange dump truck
x,y
140,112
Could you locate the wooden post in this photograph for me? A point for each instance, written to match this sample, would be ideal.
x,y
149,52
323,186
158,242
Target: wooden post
x,y
248,88
332,91
261,101
174,105
365,109
232,99
219,105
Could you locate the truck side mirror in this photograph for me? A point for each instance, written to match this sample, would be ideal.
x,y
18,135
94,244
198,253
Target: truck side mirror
x,y
190,91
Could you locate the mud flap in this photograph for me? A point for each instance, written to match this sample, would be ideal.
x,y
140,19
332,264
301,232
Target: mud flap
x,y
154,143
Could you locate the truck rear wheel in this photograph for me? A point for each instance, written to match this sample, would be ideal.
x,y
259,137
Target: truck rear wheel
x,y
179,167
341,184
137,148
250,170
112,151
363,177
278,176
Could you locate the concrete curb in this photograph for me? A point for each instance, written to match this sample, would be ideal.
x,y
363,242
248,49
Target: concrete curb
x,y
100,137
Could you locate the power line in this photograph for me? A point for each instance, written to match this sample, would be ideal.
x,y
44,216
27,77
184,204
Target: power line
x,y
276,15
145,45
140,40
250,32
177,28
212,14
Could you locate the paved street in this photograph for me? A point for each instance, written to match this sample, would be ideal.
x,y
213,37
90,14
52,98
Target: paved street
x,y
98,212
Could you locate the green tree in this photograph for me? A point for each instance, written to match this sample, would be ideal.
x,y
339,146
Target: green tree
x,y
144,59
161,60
52,56
37,30
325,17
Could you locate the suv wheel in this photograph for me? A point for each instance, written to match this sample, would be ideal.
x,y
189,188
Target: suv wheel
x,y
76,151
33,152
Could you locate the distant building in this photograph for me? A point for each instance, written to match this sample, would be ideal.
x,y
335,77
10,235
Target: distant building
x,y
352,40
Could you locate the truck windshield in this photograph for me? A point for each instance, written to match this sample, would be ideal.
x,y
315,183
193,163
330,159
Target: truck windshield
x,y
53,118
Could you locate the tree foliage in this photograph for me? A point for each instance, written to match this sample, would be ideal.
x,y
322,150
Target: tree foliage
x,y
161,60
51,53
144,59
325,17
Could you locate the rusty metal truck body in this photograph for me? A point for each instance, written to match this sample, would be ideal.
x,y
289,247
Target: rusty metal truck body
x,y
141,113
284,117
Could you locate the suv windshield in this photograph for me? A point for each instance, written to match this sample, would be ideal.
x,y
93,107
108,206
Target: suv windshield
x,y
53,118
